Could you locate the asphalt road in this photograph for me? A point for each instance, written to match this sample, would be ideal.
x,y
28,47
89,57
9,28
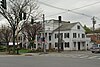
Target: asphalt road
x,y
47,61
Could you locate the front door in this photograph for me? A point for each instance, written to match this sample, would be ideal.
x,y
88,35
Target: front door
x,y
78,45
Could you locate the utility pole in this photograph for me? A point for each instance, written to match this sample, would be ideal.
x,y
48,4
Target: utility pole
x,y
43,39
94,22
59,36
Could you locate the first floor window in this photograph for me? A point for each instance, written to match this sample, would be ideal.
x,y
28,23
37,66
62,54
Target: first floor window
x,y
83,44
49,45
87,44
34,45
74,44
66,44
56,44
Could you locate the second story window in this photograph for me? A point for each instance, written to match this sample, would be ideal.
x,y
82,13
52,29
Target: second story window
x,y
49,36
66,35
55,36
61,34
83,35
74,35
78,35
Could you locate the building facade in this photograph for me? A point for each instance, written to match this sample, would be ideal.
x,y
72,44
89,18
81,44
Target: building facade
x,y
95,38
72,36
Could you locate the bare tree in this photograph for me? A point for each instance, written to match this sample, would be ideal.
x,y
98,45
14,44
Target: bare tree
x,y
31,30
18,13
5,35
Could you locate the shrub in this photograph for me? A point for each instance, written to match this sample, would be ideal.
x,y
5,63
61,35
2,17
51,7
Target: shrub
x,y
2,48
39,49
52,50
24,50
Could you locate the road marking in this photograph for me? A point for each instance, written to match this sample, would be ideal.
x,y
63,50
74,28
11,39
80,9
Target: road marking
x,y
98,58
73,56
84,57
92,57
79,55
9,55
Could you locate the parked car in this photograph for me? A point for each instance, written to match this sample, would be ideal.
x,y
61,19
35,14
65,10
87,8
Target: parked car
x,y
95,48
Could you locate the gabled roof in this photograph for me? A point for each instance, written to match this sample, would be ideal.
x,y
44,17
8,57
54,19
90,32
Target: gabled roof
x,y
66,26
56,21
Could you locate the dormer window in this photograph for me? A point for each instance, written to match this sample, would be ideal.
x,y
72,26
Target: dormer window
x,y
78,27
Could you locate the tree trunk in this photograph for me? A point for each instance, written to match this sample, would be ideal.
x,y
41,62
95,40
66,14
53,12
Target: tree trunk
x,y
14,40
7,47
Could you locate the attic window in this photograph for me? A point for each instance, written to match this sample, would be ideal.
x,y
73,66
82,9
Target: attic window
x,y
78,27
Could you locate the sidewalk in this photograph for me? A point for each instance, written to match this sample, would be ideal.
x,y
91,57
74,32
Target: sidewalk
x,y
53,53
56,53
3,53
77,52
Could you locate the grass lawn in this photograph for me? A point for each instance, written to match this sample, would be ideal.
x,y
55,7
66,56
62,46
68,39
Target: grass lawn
x,y
24,51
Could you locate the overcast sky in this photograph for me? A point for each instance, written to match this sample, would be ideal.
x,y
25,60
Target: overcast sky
x,y
92,10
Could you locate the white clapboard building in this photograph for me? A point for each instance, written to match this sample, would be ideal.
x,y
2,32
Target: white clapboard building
x,y
73,36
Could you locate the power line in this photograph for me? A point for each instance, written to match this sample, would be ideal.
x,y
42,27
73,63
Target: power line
x,y
87,5
67,10
56,14
52,6
97,18
62,9
79,8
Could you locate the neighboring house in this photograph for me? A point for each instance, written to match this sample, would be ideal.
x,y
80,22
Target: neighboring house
x,y
95,38
24,40
73,36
